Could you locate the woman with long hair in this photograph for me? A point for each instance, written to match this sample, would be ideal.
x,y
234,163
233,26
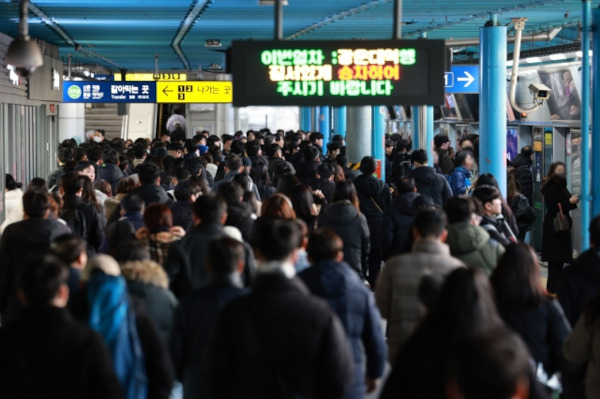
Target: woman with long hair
x,y
159,232
260,176
343,216
526,307
557,247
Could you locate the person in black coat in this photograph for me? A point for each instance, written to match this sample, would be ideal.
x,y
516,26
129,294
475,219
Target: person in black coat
x,y
186,259
557,249
523,174
198,312
343,216
278,341
186,192
45,352
429,183
239,212
110,170
333,280
580,281
23,242
307,170
150,190
397,219
374,198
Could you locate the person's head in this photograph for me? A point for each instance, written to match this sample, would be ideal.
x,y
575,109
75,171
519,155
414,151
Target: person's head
x,y
260,174
139,151
125,185
231,191
274,239
389,147
64,156
70,183
104,187
86,168
367,166
516,279
326,171
465,159
460,210
71,249
405,185
466,144
441,141
233,163
132,204
252,148
490,199
278,206
430,224
149,173
316,138
274,151
209,209
187,190
175,149
557,169
419,158
527,151
44,283
111,156
324,245
11,183
158,218
345,191
311,154
487,179
190,146
491,366
94,153
302,200
225,255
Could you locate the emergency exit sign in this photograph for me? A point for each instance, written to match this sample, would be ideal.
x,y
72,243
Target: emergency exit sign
x,y
194,92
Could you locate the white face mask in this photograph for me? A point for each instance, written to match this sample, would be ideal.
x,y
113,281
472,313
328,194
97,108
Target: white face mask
x,y
97,139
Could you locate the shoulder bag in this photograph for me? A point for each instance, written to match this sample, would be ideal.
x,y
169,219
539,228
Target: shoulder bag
x,y
561,222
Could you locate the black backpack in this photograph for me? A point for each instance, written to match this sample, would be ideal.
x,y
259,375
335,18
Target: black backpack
x,y
76,221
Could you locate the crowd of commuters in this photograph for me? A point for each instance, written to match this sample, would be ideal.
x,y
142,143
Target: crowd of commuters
x,y
260,265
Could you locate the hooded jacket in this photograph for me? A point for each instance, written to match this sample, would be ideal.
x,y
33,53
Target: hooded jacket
x,y
460,181
112,174
396,222
524,176
431,184
373,191
473,245
352,227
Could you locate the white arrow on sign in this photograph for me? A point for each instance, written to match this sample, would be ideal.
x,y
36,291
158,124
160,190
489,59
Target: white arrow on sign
x,y
468,78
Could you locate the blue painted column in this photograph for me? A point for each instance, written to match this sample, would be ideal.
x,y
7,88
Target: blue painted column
x,y
378,138
585,123
429,134
305,118
596,120
325,125
492,120
414,116
339,121
315,119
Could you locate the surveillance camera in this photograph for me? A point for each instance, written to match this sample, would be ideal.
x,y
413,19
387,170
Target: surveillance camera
x,y
24,55
540,91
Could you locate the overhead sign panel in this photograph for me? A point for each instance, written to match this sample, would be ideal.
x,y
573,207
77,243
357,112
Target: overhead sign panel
x,y
387,72
194,92
148,77
462,79
109,92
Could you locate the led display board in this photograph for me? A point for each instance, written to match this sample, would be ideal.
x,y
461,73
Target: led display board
x,y
371,72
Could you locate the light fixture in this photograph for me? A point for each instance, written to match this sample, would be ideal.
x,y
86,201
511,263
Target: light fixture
x,y
271,2
212,43
23,53
557,57
533,60
509,63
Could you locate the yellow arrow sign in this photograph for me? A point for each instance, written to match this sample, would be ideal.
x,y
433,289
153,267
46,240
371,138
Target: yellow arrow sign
x,y
194,92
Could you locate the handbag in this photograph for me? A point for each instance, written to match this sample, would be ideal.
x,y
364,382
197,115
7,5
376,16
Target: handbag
x,y
561,222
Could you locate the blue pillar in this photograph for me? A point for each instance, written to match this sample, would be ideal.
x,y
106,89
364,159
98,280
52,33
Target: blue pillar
x,y
429,134
315,119
305,118
596,121
378,138
339,121
585,123
492,120
325,125
414,116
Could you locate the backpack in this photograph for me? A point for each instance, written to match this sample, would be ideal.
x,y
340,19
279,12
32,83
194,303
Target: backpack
x,y
75,219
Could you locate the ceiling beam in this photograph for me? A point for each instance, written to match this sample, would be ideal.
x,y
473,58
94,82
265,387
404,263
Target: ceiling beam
x,y
196,10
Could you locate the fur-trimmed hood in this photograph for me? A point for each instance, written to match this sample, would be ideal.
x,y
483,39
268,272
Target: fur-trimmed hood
x,y
145,271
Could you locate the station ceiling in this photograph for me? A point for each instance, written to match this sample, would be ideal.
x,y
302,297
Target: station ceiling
x,y
128,33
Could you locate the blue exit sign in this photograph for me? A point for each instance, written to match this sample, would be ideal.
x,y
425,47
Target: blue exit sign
x,y
462,79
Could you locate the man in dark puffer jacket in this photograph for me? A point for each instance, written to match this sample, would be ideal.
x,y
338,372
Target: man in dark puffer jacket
x,y
523,174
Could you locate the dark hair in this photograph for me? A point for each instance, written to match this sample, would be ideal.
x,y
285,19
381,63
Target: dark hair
x,y
345,190
419,156
324,245
65,155
94,153
460,209
11,183
552,169
157,218
516,279
527,151
278,206
273,149
461,156
237,147
310,154
210,208
252,148
260,174
148,173
367,166
185,189
132,203
430,222
405,185
486,194
274,239
440,139
67,247
231,191
314,136
125,185
233,162
594,230
302,200
224,255
190,146
35,203
111,156
487,179
138,151
40,281
325,171
71,183
490,366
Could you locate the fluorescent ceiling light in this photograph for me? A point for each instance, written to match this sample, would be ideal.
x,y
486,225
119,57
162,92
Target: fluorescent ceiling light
x,y
509,63
556,57
533,60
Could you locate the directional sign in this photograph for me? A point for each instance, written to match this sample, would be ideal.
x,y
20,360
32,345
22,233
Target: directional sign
x,y
109,92
146,77
194,92
462,79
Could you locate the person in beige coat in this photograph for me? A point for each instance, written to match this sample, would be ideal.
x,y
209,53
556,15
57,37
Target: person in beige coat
x,y
583,345
397,289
